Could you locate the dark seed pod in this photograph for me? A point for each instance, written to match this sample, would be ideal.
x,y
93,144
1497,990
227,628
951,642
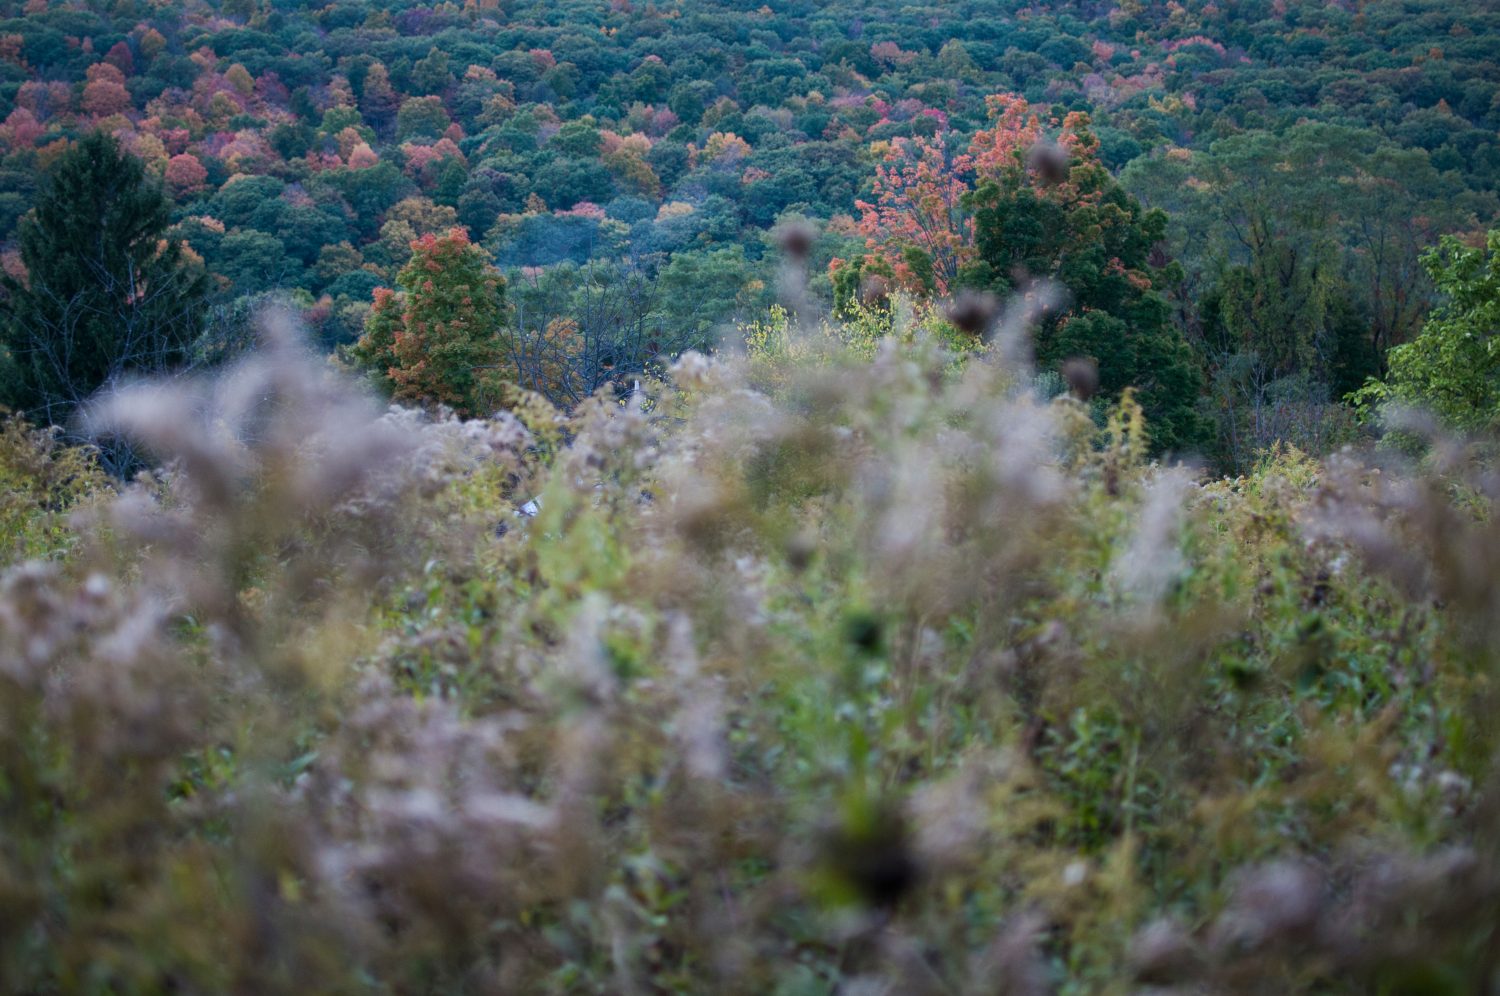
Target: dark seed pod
x,y
799,551
1049,161
865,631
1082,375
874,860
796,239
971,312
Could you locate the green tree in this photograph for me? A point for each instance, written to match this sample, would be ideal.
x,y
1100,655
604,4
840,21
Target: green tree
x,y
1300,250
255,261
431,75
368,192
1398,205
104,295
1452,368
440,338
1081,229
421,119
699,291
1046,210
1306,229
579,139
1277,304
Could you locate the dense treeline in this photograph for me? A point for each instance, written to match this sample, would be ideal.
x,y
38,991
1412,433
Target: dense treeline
x,y
605,154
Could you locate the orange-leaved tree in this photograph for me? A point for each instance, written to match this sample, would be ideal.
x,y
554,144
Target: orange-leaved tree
x,y
920,227
1029,198
441,337
917,225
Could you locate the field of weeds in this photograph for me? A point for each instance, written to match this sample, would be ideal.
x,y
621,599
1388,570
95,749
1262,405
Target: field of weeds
x,y
843,668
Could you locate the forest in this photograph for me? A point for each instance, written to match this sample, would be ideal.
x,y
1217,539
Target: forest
x,y
712,497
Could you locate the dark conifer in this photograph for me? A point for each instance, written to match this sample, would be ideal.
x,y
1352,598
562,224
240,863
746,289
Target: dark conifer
x,y
104,295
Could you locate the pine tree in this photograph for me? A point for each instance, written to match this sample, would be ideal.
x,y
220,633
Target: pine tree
x,y
104,296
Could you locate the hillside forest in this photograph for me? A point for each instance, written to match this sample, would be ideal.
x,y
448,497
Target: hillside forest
x,y
700,496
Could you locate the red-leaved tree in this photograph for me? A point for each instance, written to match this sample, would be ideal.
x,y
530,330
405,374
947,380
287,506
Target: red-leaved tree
x,y
919,189
920,227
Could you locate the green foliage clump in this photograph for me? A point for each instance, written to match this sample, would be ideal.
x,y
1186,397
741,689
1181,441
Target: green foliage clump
x,y
1452,368
42,483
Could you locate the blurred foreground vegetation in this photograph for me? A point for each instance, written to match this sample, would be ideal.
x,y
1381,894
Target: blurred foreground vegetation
x,y
857,663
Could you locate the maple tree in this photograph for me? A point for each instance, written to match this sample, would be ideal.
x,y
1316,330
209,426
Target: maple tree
x,y
439,338
105,94
185,174
917,224
920,227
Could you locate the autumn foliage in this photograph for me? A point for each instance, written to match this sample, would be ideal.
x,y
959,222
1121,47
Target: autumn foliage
x,y
185,174
917,223
1307,154
1030,200
439,338
920,226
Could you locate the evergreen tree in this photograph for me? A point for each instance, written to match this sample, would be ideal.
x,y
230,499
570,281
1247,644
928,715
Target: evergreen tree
x,y
104,295
1055,211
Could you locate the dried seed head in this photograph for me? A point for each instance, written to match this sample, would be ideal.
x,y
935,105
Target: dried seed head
x,y
1049,161
800,550
1014,962
1276,902
1163,954
1082,375
796,239
971,312
691,370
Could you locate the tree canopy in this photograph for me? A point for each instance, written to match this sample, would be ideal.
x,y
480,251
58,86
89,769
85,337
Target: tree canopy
x,y
439,338
1029,200
1452,368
